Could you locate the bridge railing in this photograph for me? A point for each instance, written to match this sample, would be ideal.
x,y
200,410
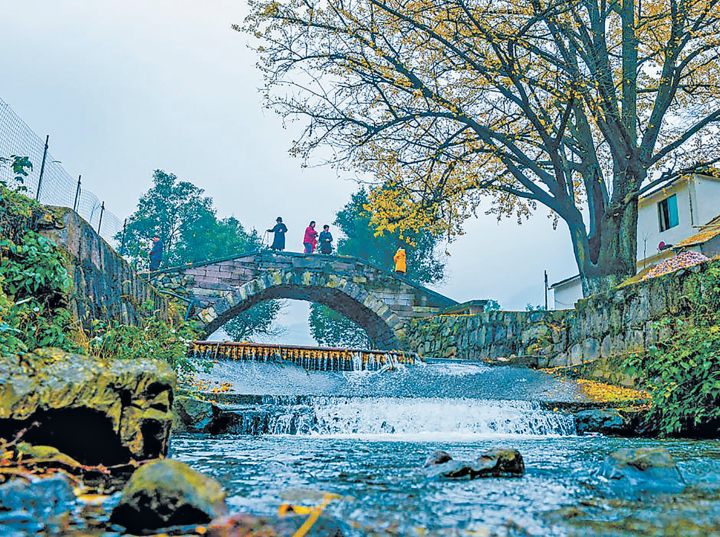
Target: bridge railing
x,y
311,358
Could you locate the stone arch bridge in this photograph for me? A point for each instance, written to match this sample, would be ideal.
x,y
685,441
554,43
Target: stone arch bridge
x,y
379,301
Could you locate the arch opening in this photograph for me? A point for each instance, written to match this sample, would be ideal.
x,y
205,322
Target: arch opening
x,y
381,333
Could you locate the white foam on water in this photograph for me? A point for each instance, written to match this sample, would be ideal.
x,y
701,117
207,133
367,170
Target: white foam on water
x,y
423,417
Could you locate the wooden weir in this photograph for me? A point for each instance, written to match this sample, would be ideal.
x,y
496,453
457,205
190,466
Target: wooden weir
x,y
312,358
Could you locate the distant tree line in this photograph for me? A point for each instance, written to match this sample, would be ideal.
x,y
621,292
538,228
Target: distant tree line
x,y
186,221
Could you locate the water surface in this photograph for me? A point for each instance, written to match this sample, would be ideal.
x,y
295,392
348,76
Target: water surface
x,y
365,435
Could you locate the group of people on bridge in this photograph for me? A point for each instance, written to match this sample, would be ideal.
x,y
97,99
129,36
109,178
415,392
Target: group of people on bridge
x,y
310,239
310,242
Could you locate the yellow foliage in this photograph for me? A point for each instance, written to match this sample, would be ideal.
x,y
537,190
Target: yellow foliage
x,y
451,104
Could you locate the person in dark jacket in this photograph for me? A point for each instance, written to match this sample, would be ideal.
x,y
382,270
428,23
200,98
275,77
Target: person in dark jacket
x,y
279,239
156,253
325,240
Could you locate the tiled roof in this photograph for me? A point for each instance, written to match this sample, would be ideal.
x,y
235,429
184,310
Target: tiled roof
x,y
709,175
708,231
684,259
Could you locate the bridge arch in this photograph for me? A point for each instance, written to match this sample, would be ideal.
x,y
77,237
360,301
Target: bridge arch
x,y
379,301
348,298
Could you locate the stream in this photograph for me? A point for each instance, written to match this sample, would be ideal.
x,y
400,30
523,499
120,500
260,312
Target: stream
x,y
365,435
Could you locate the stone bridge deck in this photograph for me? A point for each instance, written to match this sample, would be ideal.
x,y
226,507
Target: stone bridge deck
x,y
379,301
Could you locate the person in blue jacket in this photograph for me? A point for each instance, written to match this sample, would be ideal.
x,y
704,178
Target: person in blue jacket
x,y
156,253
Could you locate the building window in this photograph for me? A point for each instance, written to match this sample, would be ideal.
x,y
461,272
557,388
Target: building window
x,y
668,213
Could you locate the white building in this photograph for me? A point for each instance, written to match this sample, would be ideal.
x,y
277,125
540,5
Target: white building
x,y
682,214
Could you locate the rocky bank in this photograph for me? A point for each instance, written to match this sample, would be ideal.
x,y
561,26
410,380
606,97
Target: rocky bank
x,y
96,412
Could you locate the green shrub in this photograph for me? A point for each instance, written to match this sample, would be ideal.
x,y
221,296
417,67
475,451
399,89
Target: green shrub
x,y
35,284
683,371
156,337
33,279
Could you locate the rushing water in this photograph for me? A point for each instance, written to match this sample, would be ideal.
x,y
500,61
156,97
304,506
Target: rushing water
x,y
365,437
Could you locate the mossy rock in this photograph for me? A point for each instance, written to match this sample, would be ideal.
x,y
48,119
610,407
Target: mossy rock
x,y
168,493
46,455
93,411
193,415
630,471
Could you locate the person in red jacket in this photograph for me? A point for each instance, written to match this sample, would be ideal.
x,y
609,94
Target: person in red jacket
x,y
310,239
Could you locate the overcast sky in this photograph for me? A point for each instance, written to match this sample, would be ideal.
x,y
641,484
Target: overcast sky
x,y
127,87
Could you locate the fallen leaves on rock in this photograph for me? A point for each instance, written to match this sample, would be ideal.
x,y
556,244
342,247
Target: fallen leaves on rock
x,y
600,392
682,260
207,386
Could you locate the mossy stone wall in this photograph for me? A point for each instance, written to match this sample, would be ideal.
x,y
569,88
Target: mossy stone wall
x,y
609,324
105,286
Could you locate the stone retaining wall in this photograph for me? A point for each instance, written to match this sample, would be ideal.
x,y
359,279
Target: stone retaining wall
x,y
105,286
604,325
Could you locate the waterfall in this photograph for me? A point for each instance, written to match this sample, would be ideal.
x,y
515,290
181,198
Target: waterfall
x,y
432,418
310,358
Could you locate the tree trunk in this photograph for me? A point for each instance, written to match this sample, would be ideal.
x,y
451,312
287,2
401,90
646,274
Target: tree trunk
x,y
611,257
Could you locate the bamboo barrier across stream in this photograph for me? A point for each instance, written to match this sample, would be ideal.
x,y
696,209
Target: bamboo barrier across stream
x,y
311,358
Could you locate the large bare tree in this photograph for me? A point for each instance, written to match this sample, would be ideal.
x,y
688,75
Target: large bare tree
x,y
578,105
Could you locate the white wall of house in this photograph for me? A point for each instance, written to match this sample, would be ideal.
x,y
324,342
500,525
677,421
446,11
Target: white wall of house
x,y
565,295
649,234
698,202
708,200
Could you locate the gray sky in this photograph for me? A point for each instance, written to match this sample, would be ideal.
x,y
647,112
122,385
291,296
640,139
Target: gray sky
x,y
124,87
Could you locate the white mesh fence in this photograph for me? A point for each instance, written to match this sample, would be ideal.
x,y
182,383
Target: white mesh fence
x,y
57,187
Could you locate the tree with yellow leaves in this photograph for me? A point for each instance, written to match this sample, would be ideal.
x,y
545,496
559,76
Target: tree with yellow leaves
x,y
578,105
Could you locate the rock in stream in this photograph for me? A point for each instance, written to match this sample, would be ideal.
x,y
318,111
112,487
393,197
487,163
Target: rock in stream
x,y
95,412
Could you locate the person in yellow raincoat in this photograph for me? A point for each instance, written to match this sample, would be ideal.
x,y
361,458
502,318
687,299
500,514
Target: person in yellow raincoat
x,y
400,262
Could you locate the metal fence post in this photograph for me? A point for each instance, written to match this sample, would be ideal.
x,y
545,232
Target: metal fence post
x,y
42,168
77,193
122,243
102,210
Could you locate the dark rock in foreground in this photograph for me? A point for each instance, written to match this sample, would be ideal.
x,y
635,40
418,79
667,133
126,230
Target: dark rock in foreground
x,y
439,457
192,415
281,526
642,470
95,412
168,493
493,463
501,463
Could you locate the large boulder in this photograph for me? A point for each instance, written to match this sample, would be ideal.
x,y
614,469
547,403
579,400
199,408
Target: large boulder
x,y
95,412
629,471
168,493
